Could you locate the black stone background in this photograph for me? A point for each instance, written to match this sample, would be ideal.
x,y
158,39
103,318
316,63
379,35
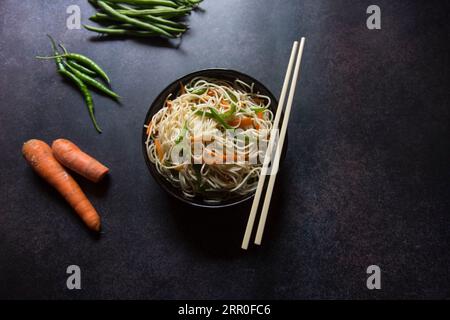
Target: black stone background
x,y
365,180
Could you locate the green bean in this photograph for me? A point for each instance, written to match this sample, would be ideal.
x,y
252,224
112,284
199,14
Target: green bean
x,y
188,2
93,83
101,17
86,94
113,13
131,12
111,3
126,27
170,29
145,2
172,15
160,20
155,12
120,32
93,2
119,6
163,21
176,27
145,15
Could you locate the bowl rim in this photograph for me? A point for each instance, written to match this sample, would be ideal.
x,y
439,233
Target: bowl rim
x,y
159,180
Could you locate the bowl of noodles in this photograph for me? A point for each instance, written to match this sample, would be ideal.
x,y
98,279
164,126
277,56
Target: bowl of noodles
x,y
205,137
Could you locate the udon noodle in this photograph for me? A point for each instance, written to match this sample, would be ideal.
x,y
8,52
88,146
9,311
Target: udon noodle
x,y
203,113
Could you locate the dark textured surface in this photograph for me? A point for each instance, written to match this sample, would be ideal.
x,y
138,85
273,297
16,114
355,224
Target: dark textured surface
x,y
365,179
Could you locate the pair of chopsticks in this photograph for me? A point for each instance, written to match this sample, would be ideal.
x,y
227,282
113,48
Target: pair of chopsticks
x,y
279,148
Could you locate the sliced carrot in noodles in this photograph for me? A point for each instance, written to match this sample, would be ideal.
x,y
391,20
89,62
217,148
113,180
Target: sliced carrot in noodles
x,y
149,128
244,122
159,149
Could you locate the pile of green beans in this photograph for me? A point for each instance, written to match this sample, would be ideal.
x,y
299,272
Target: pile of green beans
x,y
141,18
82,71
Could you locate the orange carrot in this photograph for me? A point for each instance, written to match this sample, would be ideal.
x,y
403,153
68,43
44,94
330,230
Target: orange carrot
x,y
70,156
39,156
260,116
149,128
245,121
159,149
225,104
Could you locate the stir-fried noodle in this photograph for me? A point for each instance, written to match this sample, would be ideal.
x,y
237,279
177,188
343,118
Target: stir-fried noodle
x,y
207,114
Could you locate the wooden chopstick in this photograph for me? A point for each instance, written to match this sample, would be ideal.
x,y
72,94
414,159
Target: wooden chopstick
x,y
262,177
276,163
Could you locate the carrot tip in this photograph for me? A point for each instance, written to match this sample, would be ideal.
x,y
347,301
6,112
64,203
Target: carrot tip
x,y
97,227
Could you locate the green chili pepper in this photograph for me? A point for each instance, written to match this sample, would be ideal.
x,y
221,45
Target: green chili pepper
x,y
58,60
86,94
230,113
94,83
81,68
213,114
199,91
88,63
77,66
83,60
258,109
84,90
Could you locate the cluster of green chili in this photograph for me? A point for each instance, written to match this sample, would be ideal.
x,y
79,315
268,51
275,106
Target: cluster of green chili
x,y
141,18
81,71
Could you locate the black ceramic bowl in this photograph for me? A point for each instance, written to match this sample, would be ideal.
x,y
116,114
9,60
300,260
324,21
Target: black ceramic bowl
x,y
173,88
